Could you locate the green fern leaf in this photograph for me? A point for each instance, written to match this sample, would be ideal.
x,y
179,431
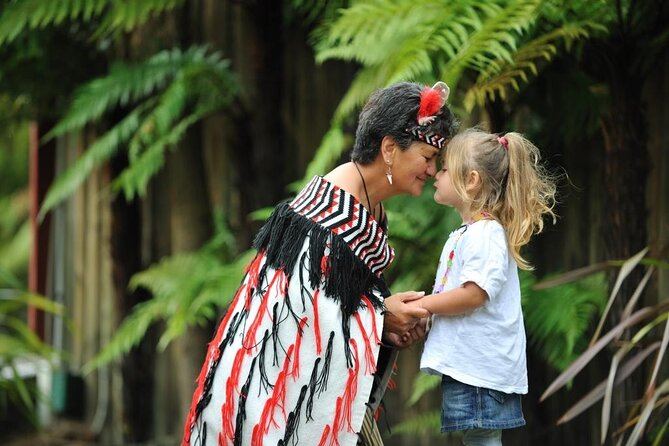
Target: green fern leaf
x,y
134,179
97,154
115,15
496,79
332,146
17,16
420,424
422,384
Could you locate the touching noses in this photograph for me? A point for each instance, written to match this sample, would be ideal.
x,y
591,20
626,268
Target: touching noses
x,y
432,168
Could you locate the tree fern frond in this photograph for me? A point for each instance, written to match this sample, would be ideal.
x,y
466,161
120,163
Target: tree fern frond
x,y
420,424
187,289
163,87
422,384
116,15
332,146
557,319
126,84
125,15
491,40
134,179
128,334
495,80
17,16
97,154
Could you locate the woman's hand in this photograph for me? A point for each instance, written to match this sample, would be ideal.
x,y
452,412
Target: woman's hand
x,y
400,317
409,338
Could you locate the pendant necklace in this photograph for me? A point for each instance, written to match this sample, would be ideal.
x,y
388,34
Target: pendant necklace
x,y
364,186
439,286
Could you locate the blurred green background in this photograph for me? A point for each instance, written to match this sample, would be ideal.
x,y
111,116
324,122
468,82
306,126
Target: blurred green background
x,y
143,142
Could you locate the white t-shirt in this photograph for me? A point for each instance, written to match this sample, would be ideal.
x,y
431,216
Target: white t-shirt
x,y
486,347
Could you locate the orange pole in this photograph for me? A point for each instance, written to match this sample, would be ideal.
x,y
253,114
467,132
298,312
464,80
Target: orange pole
x,y
41,171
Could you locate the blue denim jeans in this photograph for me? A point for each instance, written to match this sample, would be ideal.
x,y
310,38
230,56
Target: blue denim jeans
x,y
482,437
467,407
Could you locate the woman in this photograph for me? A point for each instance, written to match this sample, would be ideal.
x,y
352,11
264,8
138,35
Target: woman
x,y
296,359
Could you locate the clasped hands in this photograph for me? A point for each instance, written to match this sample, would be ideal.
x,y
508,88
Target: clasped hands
x,y
404,323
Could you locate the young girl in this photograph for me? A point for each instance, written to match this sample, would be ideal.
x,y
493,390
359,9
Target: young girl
x,y
477,338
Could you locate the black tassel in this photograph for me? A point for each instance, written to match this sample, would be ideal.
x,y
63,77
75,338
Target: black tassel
x,y
264,381
346,279
241,406
325,371
275,334
312,390
294,421
209,378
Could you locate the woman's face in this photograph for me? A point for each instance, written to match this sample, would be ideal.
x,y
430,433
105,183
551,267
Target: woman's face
x,y
413,166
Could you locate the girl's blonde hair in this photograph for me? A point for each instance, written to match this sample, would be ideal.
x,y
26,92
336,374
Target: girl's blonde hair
x,y
515,188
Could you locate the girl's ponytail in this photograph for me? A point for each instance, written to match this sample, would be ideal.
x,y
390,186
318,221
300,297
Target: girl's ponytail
x,y
529,194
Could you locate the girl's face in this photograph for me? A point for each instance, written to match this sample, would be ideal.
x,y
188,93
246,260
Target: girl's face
x,y
413,166
445,192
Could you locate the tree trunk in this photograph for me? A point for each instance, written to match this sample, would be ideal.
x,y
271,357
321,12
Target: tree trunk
x,y
190,227
625,213
137,365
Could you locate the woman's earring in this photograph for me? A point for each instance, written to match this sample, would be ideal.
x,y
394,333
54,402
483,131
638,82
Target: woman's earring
x,y
389,174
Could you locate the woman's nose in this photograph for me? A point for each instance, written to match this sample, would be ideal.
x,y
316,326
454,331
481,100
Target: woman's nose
x,y
432,168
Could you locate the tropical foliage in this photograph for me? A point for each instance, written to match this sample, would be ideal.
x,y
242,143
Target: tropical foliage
x,y
20,346
188,289
164,96
491,48
650,337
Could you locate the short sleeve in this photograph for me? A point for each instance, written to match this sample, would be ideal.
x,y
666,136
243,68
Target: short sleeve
x,y
485,257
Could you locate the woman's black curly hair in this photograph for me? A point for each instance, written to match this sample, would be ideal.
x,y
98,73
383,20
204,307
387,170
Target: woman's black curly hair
x,y
390,112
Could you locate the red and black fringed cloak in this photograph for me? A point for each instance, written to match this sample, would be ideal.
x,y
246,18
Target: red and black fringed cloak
x,y
294,359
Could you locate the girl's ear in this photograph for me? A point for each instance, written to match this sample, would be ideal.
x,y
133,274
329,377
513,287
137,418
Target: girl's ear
x,y
388,147
473,181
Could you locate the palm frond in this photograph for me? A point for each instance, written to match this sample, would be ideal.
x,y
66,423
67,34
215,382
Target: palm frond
x,y
597,393
115,15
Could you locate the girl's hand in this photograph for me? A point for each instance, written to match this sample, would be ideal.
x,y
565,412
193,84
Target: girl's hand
x,y
400,316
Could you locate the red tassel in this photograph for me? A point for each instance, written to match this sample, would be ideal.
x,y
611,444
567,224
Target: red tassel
x,y
213,352
278,398
317,328
298,342
372,311
250,338
370,361
324,437
254,268
345,402
324,265
228,407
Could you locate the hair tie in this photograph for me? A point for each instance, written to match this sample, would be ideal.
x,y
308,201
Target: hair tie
x,y
503,141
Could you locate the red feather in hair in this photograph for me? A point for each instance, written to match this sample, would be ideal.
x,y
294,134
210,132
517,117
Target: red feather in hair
x,y
431,101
